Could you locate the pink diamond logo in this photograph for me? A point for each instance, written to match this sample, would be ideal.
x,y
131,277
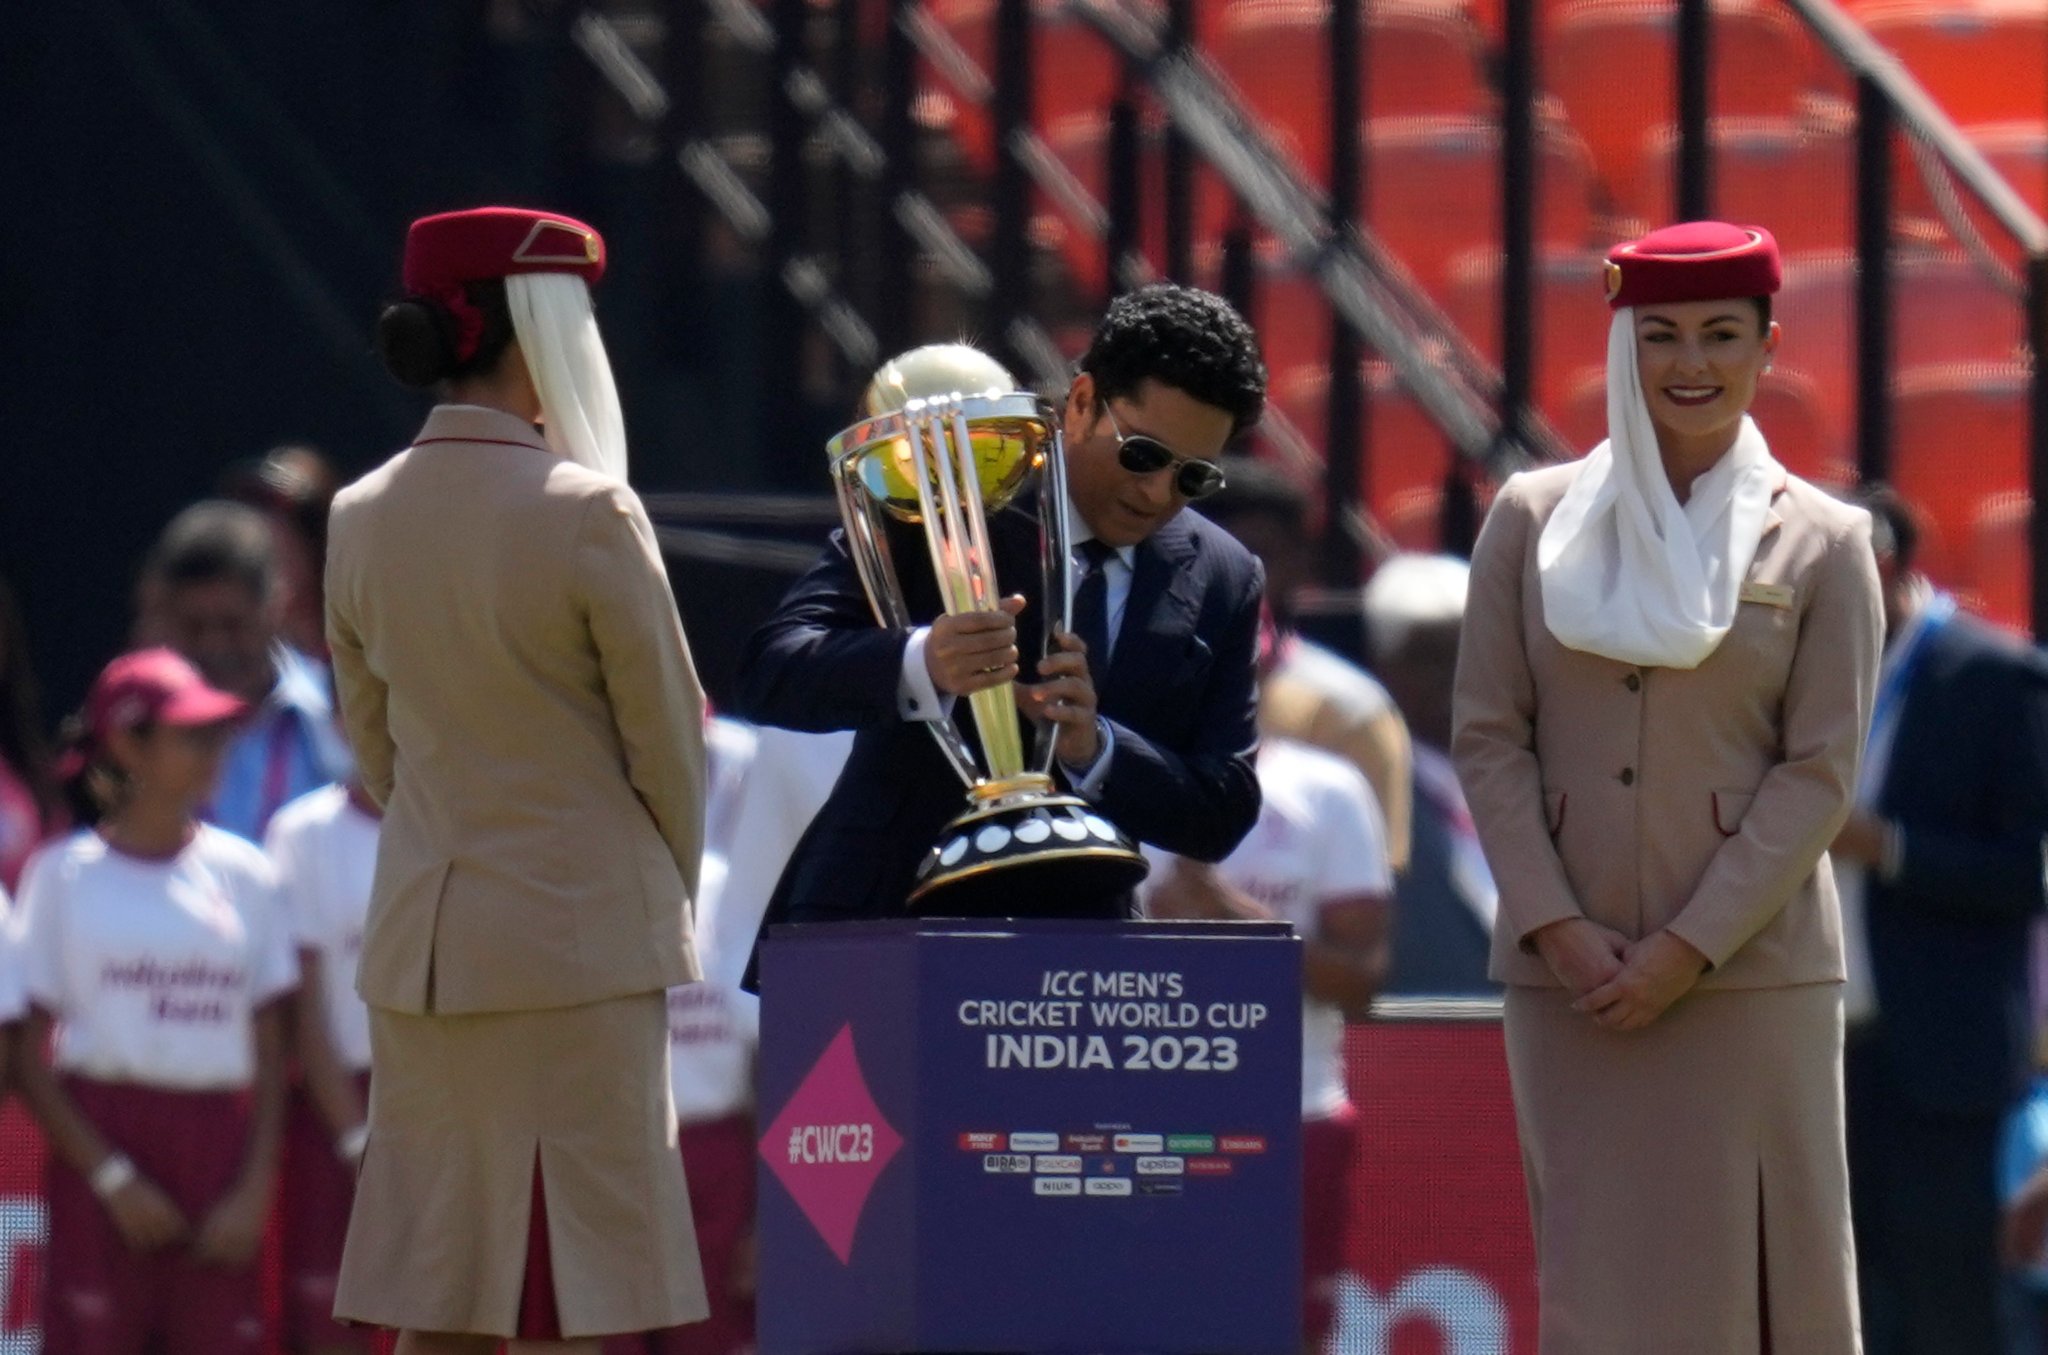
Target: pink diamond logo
x,y
830,1144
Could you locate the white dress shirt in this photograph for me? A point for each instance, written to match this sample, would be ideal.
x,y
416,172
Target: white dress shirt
x,y
917,697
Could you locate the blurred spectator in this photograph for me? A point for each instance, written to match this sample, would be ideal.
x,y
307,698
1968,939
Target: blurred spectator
x,y
1313,694
29,804
214,582
1444,904
323,847
714,1030
2023,1191
292,487
1946,840
1315,858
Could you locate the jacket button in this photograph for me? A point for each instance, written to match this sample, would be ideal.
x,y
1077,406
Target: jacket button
x,y
1628,776
1635,683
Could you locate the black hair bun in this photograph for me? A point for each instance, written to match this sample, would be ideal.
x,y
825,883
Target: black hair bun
x,y
413,338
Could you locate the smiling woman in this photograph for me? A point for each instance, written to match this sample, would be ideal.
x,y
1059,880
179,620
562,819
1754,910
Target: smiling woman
x,y
1665,675
1699,362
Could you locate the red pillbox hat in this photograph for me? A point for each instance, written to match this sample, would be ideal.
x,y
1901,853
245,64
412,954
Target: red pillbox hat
x,y
447,250
1694,261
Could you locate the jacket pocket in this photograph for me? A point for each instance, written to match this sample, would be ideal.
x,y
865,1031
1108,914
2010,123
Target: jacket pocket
x,y
1555,803
1730,807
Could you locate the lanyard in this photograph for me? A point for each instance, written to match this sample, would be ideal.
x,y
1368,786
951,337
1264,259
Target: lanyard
x,y
277,768
1891,691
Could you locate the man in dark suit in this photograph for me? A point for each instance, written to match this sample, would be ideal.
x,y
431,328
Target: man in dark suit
x,y
1154,713
1945,848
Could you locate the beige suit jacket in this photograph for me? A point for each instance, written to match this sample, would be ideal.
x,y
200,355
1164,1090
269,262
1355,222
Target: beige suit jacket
x,y
521,699
1698,800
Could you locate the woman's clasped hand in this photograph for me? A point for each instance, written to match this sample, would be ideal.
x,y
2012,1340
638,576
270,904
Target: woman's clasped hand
x,y
1622,984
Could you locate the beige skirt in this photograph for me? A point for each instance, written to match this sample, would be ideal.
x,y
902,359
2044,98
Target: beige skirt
x,y
1687,1181
461,1109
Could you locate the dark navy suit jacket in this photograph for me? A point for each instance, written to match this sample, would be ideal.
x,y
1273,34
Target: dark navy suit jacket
x,y
1950,935
1180,697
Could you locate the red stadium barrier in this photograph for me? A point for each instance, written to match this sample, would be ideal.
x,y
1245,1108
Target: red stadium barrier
x,y
1439,1251
21,1232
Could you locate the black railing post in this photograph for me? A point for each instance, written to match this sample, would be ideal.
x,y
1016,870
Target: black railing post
x,y
895,302
1695,75
679,206
783,319
1347,450
1120,242
1519,187
2037,443
1237,277
1179,163
1011,246
850,264
1873,282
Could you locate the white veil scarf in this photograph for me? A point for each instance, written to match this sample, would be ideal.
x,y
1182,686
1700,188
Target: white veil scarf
x,y
557,331
1626,571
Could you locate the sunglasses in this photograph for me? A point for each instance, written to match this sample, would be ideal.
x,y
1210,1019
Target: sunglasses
x,y
1140,454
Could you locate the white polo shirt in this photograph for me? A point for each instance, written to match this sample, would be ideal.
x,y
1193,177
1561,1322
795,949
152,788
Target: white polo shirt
x,y
713,1027
1319,837
324,850
154,969
13,997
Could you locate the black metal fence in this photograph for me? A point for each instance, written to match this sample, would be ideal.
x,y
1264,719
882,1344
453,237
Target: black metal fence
x,y
995,168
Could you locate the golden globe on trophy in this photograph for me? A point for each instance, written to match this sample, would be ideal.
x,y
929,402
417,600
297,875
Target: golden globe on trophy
x,y
947,439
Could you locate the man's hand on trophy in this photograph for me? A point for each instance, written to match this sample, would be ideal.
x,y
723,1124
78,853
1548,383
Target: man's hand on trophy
x,y
1066,698
967,652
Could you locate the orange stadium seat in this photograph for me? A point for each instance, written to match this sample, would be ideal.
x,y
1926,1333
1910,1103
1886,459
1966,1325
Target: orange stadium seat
x,y
1983,60
1613,65
1433,191
1491,15
1080,142
1772,172
1406,457
1074,68
2001,576
1960,435
1419,58
2018,151
1292,318
1787,408
1571,315
1946,311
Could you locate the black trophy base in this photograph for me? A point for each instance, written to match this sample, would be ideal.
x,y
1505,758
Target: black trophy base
x,y
1041,856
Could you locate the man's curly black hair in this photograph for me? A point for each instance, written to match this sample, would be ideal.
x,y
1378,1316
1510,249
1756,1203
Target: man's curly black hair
x,y
1182,337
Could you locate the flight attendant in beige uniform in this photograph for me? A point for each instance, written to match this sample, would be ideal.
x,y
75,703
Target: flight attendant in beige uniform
x,y
523,707
1668,661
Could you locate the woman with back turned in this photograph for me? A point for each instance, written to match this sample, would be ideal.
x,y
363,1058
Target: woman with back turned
x,y
523,708
1669,655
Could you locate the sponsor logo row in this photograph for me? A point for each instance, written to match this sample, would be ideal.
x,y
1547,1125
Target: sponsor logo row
x,y
1180,1145
1072,1164
1101,1187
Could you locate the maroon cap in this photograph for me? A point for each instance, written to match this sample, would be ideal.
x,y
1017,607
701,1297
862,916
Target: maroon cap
x,y
1694,261
452,248
155,686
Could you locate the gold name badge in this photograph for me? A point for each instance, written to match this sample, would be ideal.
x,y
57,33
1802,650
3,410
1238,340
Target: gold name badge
x,y
1769,594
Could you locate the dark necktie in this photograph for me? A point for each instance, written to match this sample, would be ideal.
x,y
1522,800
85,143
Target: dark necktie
x,y
1091,608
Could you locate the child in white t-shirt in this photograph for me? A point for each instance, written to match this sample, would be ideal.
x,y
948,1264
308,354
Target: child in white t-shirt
x,y
155,959
323,846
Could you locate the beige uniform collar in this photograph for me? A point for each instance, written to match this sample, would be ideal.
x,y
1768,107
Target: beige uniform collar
x,y
479,423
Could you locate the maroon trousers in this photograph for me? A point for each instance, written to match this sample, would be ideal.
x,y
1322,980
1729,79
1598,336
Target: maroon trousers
x,y
104,1298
